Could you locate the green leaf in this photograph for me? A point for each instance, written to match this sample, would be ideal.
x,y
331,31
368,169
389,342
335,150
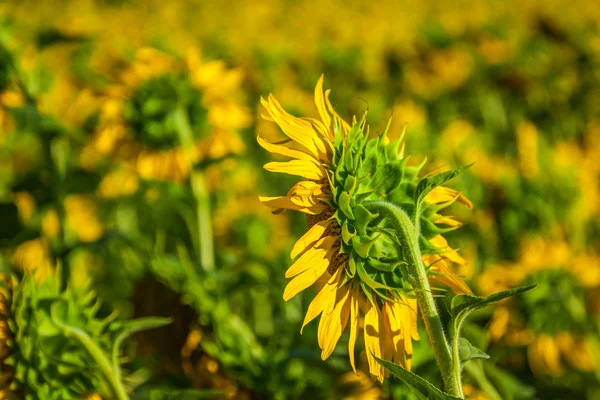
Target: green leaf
x,y
428,183
466,351
510,387
422,388
131,327
463,304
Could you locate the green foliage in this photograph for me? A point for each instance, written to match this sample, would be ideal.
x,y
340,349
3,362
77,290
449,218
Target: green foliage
x,y
466,351
422,387
47,363
462,305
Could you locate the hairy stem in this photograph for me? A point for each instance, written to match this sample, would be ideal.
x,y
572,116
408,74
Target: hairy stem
x,y
408,235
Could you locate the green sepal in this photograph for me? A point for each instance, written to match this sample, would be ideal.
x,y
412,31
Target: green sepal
x,y
350,184
466,351
363,219
366,279
384,266
351,271
346,234
422,388
363,249
344,204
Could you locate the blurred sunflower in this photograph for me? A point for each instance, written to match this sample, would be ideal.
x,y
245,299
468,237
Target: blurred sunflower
x,y
166,114
10,97
242,223
553,321
346,249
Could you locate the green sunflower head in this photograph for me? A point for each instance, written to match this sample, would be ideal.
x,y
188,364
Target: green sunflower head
x,y
370,170
151,112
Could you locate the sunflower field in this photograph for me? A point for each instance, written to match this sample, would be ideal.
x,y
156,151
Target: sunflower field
x,y
299,199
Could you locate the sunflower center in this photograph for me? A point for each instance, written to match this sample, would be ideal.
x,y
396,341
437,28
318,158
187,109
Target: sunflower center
x,y
150,111
556,305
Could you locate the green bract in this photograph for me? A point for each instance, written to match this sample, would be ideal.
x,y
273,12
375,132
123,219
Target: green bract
x,y
48,365
369,169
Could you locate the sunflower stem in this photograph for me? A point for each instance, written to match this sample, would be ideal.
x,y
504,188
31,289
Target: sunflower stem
x,y
204,233
408,235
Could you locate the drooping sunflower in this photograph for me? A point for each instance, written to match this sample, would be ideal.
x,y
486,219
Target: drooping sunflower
x,y
552,322
159,103
349,247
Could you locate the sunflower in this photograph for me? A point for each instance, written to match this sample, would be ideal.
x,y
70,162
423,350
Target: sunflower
x,y
166,113
553,322
346,248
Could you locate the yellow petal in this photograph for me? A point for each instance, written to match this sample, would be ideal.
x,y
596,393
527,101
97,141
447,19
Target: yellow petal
x,y
306,169
324,133
448,221
412,313
446,276
320,103
312,235
322,299
313,257
372,344
442,194
354,315
283,149
286,203
295,128
306,278
448,252
345,126
335,322
390,333
304,196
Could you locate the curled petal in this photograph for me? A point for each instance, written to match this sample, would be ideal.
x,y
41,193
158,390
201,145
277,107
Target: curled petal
x,y
442,194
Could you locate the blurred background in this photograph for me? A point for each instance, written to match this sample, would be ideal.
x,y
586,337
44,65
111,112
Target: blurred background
x,y
128,138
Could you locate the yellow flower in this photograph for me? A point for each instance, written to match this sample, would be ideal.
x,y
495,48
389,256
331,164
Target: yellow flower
x,y
527,145
33,255
82,218
551,321
324,252
157,98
